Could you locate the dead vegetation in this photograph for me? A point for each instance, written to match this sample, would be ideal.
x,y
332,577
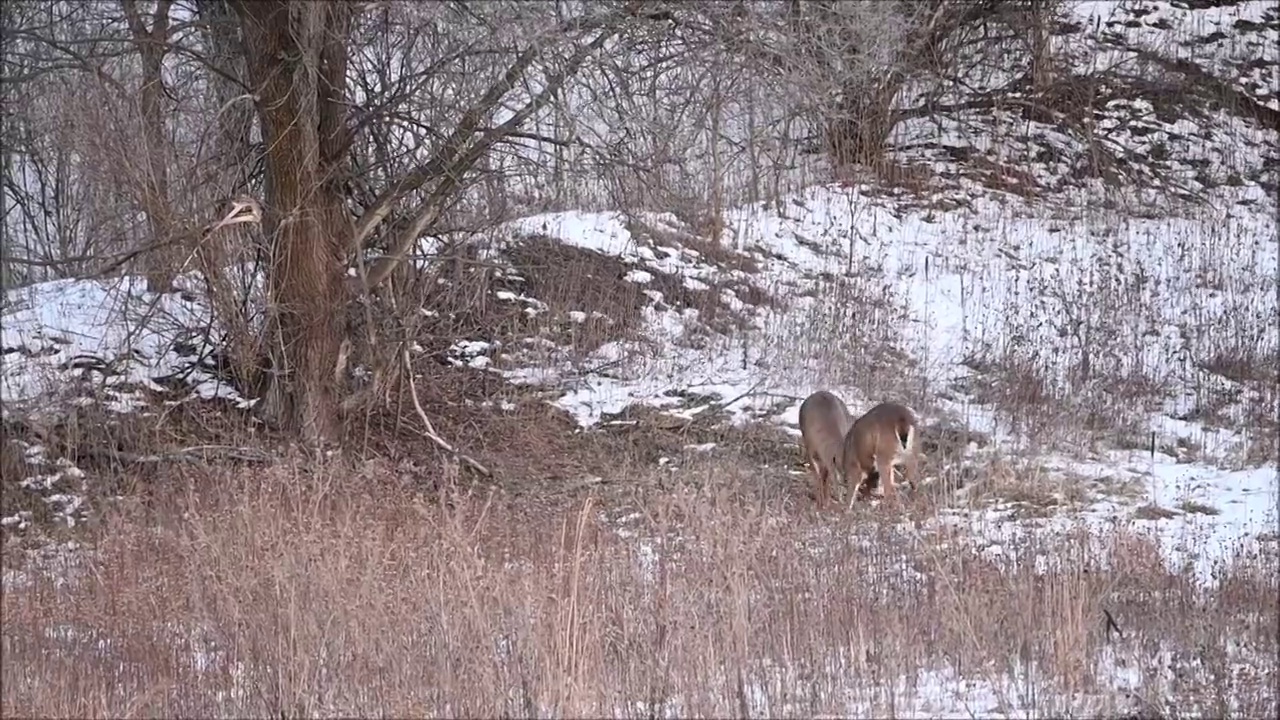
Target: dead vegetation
x,y
335,591
570,279
668,563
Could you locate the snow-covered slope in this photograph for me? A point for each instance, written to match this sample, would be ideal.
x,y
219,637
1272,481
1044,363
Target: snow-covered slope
x,y
955,285
1114,341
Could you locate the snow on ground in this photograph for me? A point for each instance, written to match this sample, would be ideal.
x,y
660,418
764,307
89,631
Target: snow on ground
x,y
110,334
1198,515
778,692
1231,39
969,278
994,272
652,377
960,275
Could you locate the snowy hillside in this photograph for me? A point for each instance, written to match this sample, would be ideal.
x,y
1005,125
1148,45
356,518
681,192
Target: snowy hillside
x,y
941,298
1092,350
962,290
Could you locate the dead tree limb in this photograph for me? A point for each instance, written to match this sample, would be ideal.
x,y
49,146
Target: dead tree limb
x,y
429,430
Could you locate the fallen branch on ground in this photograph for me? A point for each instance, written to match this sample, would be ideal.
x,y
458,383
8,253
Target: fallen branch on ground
x,y
717,407
429,430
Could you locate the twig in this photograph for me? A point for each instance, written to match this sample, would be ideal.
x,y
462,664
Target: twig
x,y
683,428
601,367
229,452
1111,625
716,407
191,455
429,430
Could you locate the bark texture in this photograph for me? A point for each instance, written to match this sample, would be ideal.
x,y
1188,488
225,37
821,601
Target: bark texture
x,y
296,55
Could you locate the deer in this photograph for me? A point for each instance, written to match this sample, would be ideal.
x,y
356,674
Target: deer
x,y
824,421
883,437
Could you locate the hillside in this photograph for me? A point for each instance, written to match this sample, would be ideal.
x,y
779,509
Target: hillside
x,y
1081,301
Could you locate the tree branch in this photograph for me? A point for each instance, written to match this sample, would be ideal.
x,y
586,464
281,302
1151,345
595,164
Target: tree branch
x,y
452,176
429,430
451,149
417,177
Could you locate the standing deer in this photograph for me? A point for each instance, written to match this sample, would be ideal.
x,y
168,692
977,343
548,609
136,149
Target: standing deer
x,y
824,421
882,438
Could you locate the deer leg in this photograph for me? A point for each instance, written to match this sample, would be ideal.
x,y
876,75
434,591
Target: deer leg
x,y
858,480
820,481
886,478
864,479
825,472
911,470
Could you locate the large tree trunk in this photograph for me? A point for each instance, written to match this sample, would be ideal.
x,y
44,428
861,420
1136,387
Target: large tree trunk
x,y
296,54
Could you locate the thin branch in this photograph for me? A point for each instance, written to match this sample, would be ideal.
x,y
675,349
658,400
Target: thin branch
x,y
452,178
448,156
415,178
713,408
429,430
81,60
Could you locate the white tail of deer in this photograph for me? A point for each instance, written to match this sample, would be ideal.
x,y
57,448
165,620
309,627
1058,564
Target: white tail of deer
x,y
882,438
824,421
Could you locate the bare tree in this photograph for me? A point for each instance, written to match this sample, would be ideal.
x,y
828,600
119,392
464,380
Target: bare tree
x,y
297,60
297,57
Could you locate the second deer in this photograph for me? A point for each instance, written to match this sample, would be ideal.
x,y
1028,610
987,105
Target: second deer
x,y
824,421
882,438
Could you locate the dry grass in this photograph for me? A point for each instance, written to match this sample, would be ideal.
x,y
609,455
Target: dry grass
x,y
512,431
570,279
847,332
696,239
335,590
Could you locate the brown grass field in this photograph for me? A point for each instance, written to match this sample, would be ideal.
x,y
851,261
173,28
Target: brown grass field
x,y
331,590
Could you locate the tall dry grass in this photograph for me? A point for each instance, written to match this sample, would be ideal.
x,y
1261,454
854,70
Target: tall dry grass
x,y
328,591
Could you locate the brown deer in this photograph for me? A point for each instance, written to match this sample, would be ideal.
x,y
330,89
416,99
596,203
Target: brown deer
x,y
824,420
882,438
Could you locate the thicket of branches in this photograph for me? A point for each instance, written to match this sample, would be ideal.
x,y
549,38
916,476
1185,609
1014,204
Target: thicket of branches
x,y
364,127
